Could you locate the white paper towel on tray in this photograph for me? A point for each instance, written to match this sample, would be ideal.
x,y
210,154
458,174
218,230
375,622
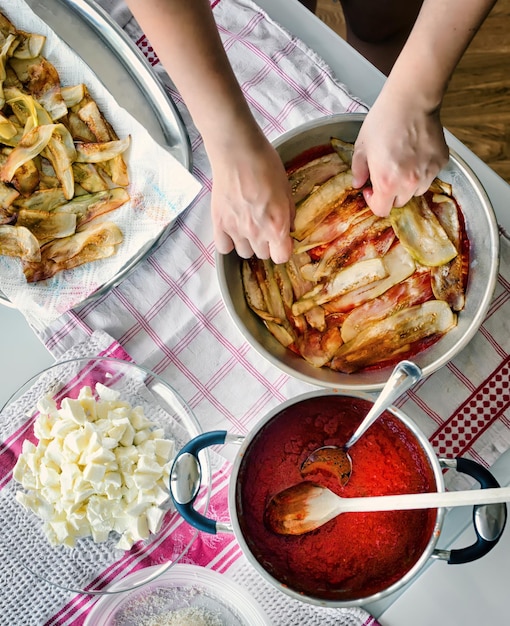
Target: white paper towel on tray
x,y
160,188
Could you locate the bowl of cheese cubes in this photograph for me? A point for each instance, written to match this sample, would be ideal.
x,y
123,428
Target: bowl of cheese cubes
x,y
85,456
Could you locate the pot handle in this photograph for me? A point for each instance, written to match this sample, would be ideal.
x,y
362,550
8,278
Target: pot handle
x,y
186,479
488,519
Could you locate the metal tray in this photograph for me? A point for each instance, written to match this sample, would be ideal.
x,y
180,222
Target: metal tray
x,y
88,29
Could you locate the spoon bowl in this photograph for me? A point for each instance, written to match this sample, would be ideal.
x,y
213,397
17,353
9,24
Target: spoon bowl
x,y
307,506
336,461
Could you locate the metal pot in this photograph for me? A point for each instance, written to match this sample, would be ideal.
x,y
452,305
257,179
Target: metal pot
x,y
482,232
185,481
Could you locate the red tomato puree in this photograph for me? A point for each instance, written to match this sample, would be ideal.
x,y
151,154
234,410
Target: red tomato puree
x,y
356,554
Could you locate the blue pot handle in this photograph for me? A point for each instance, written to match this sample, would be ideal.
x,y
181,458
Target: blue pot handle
x,y
488,519
186,479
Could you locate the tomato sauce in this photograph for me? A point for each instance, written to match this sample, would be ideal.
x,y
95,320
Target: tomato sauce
x,y
357,554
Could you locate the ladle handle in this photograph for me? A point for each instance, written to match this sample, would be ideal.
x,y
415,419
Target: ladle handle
x,y
403,377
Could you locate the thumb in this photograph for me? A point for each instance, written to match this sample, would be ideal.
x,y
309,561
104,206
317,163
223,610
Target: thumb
x,y
379,204
360,171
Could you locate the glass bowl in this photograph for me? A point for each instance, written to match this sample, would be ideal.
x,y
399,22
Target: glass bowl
x,y
185,591
94,567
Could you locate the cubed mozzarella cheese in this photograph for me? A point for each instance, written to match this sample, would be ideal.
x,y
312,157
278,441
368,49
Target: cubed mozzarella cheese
x,y
99,465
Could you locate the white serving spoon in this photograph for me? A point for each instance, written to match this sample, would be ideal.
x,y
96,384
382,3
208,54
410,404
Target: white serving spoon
x,y
307,506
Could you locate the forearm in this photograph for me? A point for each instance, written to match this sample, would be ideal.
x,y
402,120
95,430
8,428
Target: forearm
x,y
440,36
185,37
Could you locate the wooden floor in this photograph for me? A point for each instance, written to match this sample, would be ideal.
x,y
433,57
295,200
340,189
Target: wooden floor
x,y
476,108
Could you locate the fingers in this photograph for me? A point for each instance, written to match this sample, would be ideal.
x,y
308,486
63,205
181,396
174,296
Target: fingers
x,y
359,167
381,201
223,242
281,250
380,204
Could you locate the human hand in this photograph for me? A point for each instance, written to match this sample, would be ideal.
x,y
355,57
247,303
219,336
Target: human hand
x,y
399,150
251,204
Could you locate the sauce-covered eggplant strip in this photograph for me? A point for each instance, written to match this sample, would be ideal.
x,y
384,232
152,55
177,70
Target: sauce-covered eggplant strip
x,y
61,164
361,291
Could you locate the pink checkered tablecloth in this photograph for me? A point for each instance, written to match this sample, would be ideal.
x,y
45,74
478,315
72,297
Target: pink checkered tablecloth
x,y
168,314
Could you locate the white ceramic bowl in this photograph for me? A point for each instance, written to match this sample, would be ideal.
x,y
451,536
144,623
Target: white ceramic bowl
x,y
482,232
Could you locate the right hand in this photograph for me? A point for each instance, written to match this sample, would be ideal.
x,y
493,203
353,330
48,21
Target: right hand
x,y
400,149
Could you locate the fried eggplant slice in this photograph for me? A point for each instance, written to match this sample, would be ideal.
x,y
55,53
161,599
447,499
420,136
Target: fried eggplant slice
x,y
294,265
442,187
419,230
399,265
414,290
98,241
8,129
29,46
40,78
394,335
26,178
89,113
99,152
73,94
448,279
306,178
7,196
78,129
6,27
318,348
281,333
61,153
353,210
369,238
311,212
87,176
18,241
42,200
253,292
344,149
89,206
32,144
45,225
345,280
5,47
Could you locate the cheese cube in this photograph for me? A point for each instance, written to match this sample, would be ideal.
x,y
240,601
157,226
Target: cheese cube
x,y
154,517
164,448
49,476
107,393
128,436
94,473
141,436
47,405
43,425
72,410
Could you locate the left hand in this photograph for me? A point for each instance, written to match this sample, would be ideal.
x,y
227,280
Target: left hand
x,y
251,204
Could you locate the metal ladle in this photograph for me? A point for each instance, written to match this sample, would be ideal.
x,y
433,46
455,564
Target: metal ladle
x,y
335,460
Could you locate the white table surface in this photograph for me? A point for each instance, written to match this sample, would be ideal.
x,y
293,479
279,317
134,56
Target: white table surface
x,y
471,594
